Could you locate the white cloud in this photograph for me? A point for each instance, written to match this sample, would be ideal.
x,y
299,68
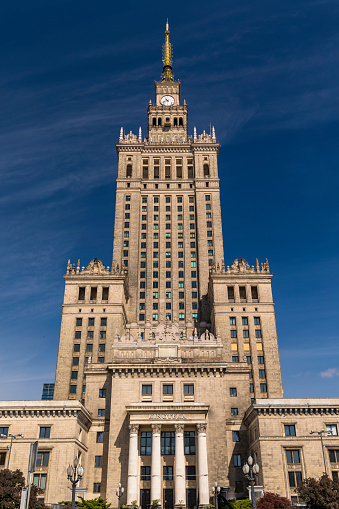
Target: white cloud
x,y
330,373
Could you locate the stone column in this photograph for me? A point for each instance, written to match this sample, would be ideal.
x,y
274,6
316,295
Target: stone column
x,y
202,466
133,464
179,486
156,464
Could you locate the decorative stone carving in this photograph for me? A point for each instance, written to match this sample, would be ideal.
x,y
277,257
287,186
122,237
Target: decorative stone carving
x,y
133,428
201,427
179,427
95,266
156,428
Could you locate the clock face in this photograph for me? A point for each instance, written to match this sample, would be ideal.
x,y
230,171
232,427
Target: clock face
x,y
167,100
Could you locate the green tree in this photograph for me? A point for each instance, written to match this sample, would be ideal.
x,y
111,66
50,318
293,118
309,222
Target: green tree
x,y
96,503
320,493
273,501
12,483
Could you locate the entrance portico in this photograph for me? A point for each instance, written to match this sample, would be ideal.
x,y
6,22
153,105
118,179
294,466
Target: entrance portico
x,y
174,435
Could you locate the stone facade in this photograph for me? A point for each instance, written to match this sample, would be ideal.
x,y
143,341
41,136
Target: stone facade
x,y
168,370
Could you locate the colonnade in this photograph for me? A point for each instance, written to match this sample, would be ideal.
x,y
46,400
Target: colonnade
x,y
179,471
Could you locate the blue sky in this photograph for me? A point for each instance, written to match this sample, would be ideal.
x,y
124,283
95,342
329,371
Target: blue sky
x,y
264,73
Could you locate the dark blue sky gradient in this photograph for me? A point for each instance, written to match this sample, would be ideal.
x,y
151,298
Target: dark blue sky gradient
x,y
264,73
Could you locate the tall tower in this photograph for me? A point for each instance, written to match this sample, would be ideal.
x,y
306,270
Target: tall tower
x,y
168,346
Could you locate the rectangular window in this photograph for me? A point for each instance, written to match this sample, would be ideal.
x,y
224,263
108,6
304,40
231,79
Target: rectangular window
x,y
167,443
263,387
188,389
332,429
233,320
333,455
75,361
235,358
245,333
260,359
73,389
98,462
289,430
2,459
102,334
45,432
235,436
74,375
294,478
244,320
102,347
100,437
262,373
89,347
155,316
254,293
42,459
258,333
189,442
101,360
242,293
230,293
77,334
145,473
167,389
249,359
234,411
293,456
90,334
147,389
101,412
39,480
76,347
96,487
168,473
257,320
102,393
82,290
233,333
237,460
190,473
233,392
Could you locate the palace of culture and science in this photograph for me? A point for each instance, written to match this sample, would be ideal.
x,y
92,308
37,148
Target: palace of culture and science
x,y
168,373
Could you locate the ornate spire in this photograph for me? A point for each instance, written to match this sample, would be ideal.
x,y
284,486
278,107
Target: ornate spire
x,y
167,74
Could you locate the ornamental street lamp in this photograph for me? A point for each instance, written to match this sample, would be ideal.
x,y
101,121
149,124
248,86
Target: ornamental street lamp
x,y
251,471
72,473
216,491
320,433
19,435
119,492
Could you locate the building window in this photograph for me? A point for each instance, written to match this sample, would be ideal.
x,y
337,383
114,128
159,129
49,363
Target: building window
x,y
293,456
233,333
188,389
89,347
263,387
42,459
248,359
235,358
74,375
168,473
242,293
262,373
254,293
98,462
101,360
167,443
155,317
189,442
294,478
333,455
39,480
237,460
238,487
258,333
141,317
332,429
2,459
145,473
73,389
102,393
257,320
76,347
190,472
235,436
234,411
260,359
181,316
251,388
45,432
96,487
77,334
289,430
147,390
82,290
230,291
233,392
79,322
90,334
244,320
101,412
102,347
100,437
233,320
167,389
102,334
245,333
335,475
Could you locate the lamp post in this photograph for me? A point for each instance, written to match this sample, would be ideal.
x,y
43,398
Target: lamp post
x,y
251,471
19,435
320,433
216,491
119,492
74,474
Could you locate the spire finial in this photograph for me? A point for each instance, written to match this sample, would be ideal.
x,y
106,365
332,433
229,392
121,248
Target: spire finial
x,y
167,74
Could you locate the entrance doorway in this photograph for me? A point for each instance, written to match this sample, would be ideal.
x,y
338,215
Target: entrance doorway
x,y
145,499
168,499
191,498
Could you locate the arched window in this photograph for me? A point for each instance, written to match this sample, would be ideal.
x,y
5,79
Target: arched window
x,y
181,121
206,170
129,170
167,120
154,121
175,121
159,121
